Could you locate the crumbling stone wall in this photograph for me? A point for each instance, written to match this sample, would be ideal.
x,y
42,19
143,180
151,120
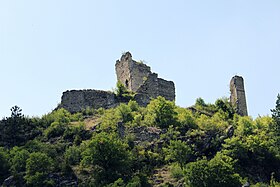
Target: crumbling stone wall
x,y
237,97
131,73
150,86
77,100
138,78
166,89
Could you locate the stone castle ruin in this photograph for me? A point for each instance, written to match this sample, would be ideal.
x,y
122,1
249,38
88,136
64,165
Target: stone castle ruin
x,y
138,78
135,76
237,97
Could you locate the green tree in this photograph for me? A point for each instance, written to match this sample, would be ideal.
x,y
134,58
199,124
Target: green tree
x,y
109,156
121,89
55,129
276,116
4,164
38,168
18,161
218,172
200,102
12,128
124,112
161,113
179,151
225,106
17,129
73,155
18,164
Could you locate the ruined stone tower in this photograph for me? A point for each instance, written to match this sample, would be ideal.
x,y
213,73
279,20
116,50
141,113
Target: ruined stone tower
x,y
138,78
130,73
237,97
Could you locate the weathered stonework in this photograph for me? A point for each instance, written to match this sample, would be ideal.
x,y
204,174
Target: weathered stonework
x,y
130,73
77,100
237,97
137,77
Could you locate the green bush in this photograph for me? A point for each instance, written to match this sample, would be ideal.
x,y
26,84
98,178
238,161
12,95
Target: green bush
x,y
109,156
218,172
161,113
176,171
56,129
38,168
179,152
124,112
4,164
73,155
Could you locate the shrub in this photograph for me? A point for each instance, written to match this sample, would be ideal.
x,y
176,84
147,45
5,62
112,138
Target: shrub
x,y
109,156
161,113
218,172
38,168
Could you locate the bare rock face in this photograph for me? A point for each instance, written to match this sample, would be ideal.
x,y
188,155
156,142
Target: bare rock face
x,y
237,97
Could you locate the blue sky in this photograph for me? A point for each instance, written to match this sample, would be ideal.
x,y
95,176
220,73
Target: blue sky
x,y
50,46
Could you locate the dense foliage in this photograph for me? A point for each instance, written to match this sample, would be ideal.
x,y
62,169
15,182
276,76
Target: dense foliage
x,y
128,146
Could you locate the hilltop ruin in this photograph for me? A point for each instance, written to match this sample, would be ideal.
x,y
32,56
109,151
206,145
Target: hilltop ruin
x,y
135,76
237,97
138,78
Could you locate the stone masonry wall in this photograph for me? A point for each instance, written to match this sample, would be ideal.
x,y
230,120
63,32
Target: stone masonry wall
x,y
77,100
131,73
135,76
166,89
150,86
237,97
138,78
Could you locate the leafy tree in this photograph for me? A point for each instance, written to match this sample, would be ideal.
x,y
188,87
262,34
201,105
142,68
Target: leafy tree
x,y
186,120
38,168
133,105
218,172
161,113
225,106
200,102
109,156
76,133
18,164
117,183
255,153
121,89
124,112
56,129
179,151
276,118
4,164
73,155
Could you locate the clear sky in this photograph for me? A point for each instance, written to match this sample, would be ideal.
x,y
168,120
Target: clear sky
x,y
50,46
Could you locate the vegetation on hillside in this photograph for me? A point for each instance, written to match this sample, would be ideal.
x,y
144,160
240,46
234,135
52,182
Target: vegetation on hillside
x,y
130,146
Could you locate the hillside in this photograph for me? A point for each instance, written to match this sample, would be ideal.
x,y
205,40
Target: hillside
x,y
158,145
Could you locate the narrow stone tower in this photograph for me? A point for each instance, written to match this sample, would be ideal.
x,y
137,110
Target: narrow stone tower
x,y
237,97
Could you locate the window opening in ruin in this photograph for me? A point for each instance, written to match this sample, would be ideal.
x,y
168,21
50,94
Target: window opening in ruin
x,y
126,83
